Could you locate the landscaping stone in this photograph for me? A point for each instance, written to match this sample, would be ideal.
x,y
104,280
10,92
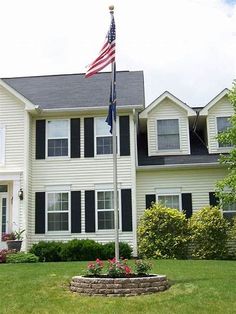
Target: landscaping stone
x,y
118,286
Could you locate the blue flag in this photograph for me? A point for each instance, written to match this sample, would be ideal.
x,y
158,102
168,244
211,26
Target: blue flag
x,y
112,106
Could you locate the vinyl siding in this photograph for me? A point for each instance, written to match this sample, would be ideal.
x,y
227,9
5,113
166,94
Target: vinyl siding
x,y
12,117
221,109
167,109
199,182
81,174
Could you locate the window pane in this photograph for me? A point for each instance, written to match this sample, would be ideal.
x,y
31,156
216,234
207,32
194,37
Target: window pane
x,y
57,128
4,215
229,207
58,221
168,134
223,124
3,188
171,201
106,220
58,201
58,147
105,200
104,145
102,128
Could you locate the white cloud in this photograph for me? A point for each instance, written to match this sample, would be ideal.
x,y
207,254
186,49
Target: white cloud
x,y
187,46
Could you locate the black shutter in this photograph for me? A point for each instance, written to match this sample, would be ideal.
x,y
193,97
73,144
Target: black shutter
x,y
40,139
124,136
213,199
187,204
149,199
126,209
75,211
90,211
75,138
88,137
40,212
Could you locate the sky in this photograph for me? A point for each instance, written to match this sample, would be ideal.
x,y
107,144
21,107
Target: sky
x,y
187,47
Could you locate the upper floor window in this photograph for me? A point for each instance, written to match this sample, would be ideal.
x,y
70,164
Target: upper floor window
x,y
58,211
223,124
168,134
2,145
57,137
103,137
170,201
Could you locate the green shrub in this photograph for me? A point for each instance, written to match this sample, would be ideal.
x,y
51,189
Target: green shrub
x,y
232,240
108,250
47,251
81,250
22,257
163,233
208,230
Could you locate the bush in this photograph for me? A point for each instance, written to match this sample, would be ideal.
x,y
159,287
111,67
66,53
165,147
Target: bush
x,y
4,253
81,250
108,250
22,257
77,250
208,231
163,233
232,240
47,251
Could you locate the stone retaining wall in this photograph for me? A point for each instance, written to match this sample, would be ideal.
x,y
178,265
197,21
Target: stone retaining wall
x,y
119,286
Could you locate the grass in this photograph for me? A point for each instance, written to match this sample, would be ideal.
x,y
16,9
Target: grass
x,y
197,287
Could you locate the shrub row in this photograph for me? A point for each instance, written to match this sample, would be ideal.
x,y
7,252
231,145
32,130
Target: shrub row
x,y
11,256
166,233
77,250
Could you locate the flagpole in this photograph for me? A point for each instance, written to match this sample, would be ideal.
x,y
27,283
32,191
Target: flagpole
x,y
114,146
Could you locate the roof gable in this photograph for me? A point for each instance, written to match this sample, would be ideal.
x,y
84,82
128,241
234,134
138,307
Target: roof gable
x,y
168,95
215,100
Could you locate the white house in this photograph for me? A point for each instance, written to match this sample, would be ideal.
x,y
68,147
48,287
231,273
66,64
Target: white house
x,y
55,148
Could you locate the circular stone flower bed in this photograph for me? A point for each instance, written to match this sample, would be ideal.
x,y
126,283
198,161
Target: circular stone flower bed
x,y
118,286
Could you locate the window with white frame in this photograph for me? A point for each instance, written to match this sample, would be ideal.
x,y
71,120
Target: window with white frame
x,y
223,124
58,211
170,200
105,210
2,145
229,209
103,137
168,134
57,138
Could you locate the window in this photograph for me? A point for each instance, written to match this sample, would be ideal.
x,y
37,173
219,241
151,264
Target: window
x,y
105,210
168,134
58,211
2,145
171,201
223,124
229,210
57,137
103,137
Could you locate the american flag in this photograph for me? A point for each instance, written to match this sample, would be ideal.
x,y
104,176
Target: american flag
x,y
107,53
112,106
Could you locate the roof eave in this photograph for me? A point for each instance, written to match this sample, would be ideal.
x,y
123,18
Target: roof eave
x,y
179,166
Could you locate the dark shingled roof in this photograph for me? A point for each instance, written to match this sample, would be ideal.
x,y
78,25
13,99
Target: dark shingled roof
x,y
73,90
199,154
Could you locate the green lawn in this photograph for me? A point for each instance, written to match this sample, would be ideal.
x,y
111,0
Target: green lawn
x,y
197,287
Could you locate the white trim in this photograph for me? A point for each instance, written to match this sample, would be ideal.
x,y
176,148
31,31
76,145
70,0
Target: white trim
x,y
57,188
157,101
4,195
47,138
168,151
180,166
222,149
106,135
204,111
112,209
60,232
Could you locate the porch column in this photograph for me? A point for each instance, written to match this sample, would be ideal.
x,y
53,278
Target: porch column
x,y
16,206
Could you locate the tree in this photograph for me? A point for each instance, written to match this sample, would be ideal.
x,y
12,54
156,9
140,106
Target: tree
x,y
226,188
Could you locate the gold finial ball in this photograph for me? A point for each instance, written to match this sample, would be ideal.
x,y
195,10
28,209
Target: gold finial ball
x,y
111,7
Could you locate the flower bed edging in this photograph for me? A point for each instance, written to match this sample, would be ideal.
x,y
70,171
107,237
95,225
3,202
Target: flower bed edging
x,y
118,286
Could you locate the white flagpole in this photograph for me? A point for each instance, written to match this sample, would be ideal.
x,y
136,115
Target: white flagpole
x,y
114,146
